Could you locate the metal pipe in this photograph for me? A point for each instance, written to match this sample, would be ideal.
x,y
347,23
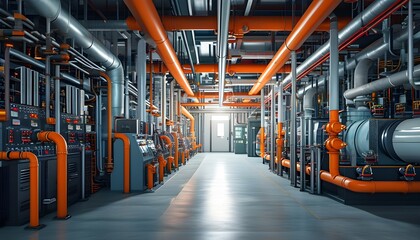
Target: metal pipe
x,y
272,122
280,133
145,12
83,171
141,79
61,151
334,87
369,14
57,103
223,31
313,16
231,69
4,114
163,102
393,80
262,138
410,56
238,25
361,73
302,151
293,131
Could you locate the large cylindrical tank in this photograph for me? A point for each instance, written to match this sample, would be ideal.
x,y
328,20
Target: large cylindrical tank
x,y
406,140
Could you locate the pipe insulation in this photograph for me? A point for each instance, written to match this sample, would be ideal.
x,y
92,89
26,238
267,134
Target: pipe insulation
x,y
393,80
69,26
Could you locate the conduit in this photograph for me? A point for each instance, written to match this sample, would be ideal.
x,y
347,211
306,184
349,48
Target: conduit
x,y
145,12
33,184
61,150
126,171
311,19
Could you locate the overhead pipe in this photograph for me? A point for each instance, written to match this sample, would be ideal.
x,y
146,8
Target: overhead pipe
x,y
313,16
238,25
60,18
223,31
126,171
61,151
226,104
231,69
374,12
145,12
33,184
396,79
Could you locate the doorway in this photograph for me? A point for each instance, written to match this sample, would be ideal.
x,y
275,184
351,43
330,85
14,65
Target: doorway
x,y
220,133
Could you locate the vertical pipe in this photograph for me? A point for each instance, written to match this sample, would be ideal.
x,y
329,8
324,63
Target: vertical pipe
x,y
127,100
410,64
57,106
334,83
98,125
312,176
83,170
302,152
141,79
7,81
171,101
163,101
273,122
318,169
262,147
280,118
293,124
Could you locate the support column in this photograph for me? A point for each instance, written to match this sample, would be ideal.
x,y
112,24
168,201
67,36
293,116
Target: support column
x,y
141,79
293,131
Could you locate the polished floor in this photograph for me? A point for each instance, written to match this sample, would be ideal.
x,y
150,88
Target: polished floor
x,y
224,196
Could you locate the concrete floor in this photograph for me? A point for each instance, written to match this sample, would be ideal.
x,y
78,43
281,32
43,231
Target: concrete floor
x,y
224,196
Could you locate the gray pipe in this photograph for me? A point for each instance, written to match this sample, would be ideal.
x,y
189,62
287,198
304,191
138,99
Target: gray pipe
x,y
293,128
358,22
393,80
141,79
308,102
60,18
361,72
223,32
334,87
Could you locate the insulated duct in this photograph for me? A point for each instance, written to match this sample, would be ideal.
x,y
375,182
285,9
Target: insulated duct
x,y
52,10
223,27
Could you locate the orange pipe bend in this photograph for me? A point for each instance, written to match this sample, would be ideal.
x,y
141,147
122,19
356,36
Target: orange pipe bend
x,y
176,159
169,164
61,146
109,163
150,171
145,12
33,183
168,142
162,165
311,19
126,171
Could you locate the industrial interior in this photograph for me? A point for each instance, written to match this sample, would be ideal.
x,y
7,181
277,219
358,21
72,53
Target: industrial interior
x,y
205,119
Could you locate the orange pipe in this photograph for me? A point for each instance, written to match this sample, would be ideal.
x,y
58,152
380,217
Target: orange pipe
x,y
145,12
262,138
169,164
279,140
189,116
238,25
232,104
162,165
176,149
286,163
170,159
109,163
150,171
126,171
371,186
203,95
33,183
311,19
213,68
61,150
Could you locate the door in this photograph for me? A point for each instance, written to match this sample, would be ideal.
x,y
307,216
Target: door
x,y
219,134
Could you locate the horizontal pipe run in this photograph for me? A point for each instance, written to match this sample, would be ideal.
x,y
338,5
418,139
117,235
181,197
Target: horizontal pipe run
x,y
231,69
238,25
240,104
